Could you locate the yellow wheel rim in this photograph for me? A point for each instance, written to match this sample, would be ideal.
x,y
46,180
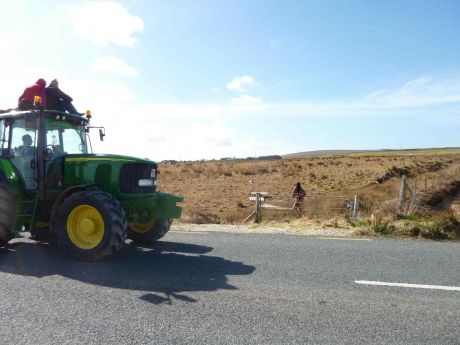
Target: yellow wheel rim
x,y
85,227
142,228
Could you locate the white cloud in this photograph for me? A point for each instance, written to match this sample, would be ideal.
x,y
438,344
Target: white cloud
x,y
239,83
216,135
420,92
103,22
112,64
246,100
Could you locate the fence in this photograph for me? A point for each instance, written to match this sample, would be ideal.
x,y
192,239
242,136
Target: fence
x,y
314,206
327,206
413,190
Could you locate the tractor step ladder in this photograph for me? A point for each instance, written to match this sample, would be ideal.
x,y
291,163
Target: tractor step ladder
x,y
26,213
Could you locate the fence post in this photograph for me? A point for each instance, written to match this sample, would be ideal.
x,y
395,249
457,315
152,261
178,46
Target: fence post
x,y
355,207
426,184
403,190
258,215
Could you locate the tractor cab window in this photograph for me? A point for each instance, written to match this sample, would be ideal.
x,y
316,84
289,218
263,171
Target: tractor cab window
x,y
23,150
62,139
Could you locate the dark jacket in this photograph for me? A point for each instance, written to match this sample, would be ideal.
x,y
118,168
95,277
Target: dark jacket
x,y
38,89
299,193
54,98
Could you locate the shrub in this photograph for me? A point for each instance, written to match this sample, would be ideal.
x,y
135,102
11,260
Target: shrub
x,y
247,172
263,170
443,228
381,226
196,217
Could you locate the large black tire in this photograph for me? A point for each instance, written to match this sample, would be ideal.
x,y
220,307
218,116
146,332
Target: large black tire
x,y
90,225
158,230
7,212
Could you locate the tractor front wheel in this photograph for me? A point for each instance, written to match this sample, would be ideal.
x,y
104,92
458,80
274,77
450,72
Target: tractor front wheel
x,y
149,232
7,212
90,225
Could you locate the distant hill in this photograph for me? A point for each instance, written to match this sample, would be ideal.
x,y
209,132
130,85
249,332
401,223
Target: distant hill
x,y
317,153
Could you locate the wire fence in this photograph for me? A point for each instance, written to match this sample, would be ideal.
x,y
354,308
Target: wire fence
x,y
434,180
286,208
319,206
414,190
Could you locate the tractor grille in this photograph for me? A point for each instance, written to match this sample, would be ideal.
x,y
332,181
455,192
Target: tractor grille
x,y
131,173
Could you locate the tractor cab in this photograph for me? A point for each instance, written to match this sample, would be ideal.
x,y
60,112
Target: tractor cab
x,y
62,134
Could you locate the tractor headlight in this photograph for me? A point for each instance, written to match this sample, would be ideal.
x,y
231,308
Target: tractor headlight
x,y
145,183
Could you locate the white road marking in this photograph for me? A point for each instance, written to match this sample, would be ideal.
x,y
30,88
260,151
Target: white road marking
x,y
415,286
344,238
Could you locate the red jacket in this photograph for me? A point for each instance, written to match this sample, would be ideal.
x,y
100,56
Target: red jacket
x,y
38,89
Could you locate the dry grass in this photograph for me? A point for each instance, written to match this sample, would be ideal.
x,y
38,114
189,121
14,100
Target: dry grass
x,y
440,226
219,191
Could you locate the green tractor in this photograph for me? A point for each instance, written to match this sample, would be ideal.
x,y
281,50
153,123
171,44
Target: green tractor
x,y
51,186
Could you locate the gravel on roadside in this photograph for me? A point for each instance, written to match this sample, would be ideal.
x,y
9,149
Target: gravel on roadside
x,y
262,229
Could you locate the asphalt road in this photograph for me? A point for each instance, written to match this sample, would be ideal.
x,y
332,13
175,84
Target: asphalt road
x,y
216,288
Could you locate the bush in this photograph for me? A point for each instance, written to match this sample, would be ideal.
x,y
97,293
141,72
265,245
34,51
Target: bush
x,y
200,218
444,228
382,226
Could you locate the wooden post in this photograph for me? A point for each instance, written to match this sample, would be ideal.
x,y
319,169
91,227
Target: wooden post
x,y
402,191
426,183
258,208
355,207
291,207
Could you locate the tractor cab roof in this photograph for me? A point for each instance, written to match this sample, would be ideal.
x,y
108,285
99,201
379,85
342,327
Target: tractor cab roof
x,y
52,114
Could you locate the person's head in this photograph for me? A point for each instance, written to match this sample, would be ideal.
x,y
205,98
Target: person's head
x,y
297,185
41,82
27,140
54,83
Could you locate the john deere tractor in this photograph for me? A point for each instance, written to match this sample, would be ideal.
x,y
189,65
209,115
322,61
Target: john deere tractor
x,y
51,186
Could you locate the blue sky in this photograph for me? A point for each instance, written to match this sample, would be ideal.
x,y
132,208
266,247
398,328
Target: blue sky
x,y
210,79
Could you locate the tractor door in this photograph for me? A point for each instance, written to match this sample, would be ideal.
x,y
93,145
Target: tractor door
x,y
23,151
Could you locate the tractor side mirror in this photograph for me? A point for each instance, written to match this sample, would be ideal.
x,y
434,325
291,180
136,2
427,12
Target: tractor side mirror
x,y
101,134
30,121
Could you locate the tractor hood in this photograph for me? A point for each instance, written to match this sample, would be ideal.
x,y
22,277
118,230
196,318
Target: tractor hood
x,y
116,174
105,158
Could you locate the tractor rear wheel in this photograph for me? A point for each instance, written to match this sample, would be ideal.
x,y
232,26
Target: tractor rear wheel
x,y
90,225
7,212
149,232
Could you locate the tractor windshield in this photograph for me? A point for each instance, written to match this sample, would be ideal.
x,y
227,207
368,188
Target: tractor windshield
x,y
64,138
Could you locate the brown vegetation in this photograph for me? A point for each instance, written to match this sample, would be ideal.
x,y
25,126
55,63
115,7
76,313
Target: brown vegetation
x,y
218,192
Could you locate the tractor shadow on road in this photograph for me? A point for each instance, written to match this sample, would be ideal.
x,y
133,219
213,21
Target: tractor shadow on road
x,y
166,270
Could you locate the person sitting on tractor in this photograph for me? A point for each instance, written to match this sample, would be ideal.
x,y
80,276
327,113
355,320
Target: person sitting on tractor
x,y
56,99
26,100
26,149
299,194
